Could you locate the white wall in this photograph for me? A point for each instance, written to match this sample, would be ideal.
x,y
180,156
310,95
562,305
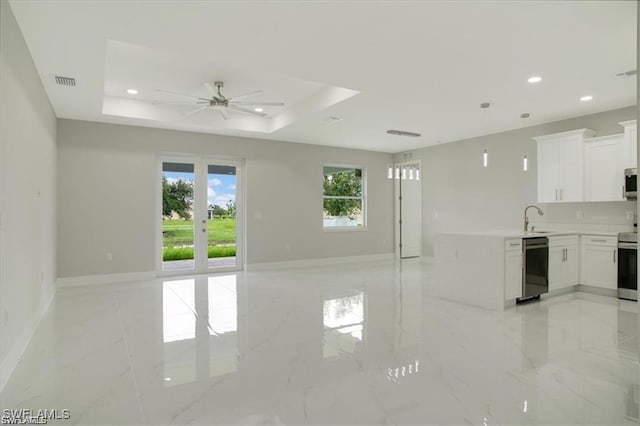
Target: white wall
x,y
107,195
27,199
460,194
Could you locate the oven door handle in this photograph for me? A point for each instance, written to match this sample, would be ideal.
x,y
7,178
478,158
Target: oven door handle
x,y
632,246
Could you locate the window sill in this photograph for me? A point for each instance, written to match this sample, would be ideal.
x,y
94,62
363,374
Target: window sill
x,y
344,229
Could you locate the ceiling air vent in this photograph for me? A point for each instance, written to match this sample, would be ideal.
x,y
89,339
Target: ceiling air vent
x,y
65,81
627,73
403,133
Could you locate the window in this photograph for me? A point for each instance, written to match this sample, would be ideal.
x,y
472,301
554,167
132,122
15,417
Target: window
x,y
343,204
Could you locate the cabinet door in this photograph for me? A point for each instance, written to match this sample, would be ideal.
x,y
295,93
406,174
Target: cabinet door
x,y
548,171
630,151
556,268
604,169
599,267
572,170
570,266
512,275
633,147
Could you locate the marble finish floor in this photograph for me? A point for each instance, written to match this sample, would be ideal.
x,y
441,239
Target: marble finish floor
x,y
351,344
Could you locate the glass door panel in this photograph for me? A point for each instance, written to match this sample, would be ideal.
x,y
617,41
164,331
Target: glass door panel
x,y
222,229
178,216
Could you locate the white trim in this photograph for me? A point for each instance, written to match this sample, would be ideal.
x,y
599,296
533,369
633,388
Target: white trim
x,y
14,355
268,266
104,279
610,292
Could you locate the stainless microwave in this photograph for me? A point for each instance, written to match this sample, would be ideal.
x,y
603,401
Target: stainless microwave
x,y
631,184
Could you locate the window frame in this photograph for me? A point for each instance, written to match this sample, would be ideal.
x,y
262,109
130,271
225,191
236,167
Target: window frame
x,y
362,198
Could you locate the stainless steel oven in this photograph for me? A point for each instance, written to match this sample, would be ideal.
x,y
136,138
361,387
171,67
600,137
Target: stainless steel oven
x,y
628,265
631,184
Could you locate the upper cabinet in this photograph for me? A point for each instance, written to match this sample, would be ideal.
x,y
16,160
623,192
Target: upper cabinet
x,y
604,165
561,166
630,144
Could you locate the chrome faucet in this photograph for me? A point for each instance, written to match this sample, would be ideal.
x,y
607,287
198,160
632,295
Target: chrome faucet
x,y
526,219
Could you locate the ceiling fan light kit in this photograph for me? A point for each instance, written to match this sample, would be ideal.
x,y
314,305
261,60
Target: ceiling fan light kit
x,y
222,104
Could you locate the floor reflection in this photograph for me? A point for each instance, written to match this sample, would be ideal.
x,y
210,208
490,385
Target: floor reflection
x,y
343,325
200,324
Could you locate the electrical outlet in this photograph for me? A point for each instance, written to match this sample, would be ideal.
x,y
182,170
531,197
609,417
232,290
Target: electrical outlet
x,y
579,215
109,256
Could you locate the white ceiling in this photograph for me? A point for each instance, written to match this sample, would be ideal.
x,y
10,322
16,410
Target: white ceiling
x,y
417,66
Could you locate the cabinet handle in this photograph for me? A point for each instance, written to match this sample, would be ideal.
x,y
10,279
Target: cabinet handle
x,y
564,255
514,244
593,240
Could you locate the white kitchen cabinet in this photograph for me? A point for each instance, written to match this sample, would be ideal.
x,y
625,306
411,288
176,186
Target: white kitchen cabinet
x,y
513,269
598,261
630,144
561,166
604,166
563,262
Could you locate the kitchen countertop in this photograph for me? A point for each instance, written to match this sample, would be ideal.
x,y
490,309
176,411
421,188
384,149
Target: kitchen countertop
x,y
510,233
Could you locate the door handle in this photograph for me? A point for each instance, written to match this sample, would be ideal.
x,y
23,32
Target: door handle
x,y
204,229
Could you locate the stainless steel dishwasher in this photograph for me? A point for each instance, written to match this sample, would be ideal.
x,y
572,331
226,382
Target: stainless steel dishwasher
x,y
535,267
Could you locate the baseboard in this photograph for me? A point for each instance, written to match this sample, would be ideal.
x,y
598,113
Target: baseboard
x,y
268,266
105,279
597,290
15,354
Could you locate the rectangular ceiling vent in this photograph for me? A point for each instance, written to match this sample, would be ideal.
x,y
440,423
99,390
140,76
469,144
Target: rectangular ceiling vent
x,y
65,81
630,73
403,133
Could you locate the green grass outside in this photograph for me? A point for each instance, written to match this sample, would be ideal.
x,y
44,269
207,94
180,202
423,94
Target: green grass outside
x,y
182,253
180,232
177,238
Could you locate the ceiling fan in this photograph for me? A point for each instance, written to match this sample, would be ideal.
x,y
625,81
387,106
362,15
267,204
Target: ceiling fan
x,y
221,103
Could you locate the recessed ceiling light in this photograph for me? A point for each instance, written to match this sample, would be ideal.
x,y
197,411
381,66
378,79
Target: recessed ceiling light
x,y
586,98
132,91
525,115
258,109
535,79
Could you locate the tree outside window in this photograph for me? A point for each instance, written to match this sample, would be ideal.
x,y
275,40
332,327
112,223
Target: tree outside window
x,y
343,197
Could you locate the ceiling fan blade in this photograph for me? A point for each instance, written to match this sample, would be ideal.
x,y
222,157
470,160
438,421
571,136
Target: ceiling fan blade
x,y
178,103
258,103
246,95
181,94
196,110
245,110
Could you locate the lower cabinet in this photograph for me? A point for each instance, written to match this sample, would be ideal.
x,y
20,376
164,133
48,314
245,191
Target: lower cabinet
x,y
563,262
513,269
598,261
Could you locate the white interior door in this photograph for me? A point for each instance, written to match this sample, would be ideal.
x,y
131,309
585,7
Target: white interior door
x,y
409,210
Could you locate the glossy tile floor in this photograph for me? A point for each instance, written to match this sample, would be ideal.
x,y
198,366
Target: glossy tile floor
x,y
353,344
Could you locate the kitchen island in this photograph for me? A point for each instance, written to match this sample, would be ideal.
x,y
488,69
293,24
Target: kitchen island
x,y
484,268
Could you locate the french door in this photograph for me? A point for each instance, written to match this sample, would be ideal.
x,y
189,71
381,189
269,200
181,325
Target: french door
x,y
200,215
